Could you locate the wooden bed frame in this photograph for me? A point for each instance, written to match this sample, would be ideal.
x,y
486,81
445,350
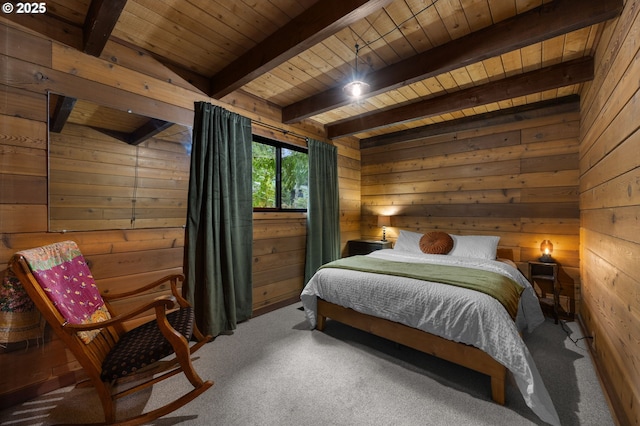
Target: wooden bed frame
x,y
458,353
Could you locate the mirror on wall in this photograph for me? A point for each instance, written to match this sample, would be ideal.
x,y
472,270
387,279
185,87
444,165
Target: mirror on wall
x,y
112,169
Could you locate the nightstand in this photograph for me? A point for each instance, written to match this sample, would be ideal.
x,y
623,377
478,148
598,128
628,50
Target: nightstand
x,y
545,275
355,247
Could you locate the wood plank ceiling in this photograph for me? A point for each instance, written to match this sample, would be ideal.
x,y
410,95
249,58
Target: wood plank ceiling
x,y
427,61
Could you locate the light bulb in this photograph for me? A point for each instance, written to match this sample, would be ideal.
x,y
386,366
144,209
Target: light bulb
x,y
356,88
356,91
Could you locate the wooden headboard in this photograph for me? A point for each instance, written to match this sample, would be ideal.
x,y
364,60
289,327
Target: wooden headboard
x,y
505,253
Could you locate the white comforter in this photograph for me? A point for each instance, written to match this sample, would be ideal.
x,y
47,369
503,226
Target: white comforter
x,y
451,312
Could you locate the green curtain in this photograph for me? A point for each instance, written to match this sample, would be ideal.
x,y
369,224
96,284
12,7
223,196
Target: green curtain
x,y
219,232
323,213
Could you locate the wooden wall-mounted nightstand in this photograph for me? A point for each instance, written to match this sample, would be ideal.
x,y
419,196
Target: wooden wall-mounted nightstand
x,y
355,247
545,275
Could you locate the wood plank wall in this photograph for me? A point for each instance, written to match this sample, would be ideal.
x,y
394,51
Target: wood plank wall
x,y
349,175
609,207
517,180
124,79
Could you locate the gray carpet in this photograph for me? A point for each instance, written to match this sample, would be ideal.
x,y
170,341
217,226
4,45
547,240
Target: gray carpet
x,y
275,371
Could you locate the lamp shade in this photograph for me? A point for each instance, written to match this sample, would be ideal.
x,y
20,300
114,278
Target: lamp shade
x,y
357,87
546,247
384,220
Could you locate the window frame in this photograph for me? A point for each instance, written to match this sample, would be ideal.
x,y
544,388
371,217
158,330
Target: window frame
x,y
278,145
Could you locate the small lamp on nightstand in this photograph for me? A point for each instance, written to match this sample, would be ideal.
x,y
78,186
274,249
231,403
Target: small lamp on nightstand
x,y
384,221
546,248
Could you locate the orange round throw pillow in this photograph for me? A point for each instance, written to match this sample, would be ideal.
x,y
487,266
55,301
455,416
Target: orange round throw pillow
x,y
436,242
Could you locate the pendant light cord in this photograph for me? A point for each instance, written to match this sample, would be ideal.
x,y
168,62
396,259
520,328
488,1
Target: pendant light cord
x,y
413,16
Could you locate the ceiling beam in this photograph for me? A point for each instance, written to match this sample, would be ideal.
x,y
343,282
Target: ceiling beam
x,y
139,135
566,104
551,77
320,21
61,112
101,18
539,24
147,130
99,23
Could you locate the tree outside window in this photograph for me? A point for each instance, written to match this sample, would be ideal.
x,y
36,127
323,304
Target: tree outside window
x,y
280,176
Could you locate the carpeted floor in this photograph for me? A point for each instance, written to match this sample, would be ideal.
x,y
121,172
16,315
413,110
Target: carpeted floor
x,y
275,371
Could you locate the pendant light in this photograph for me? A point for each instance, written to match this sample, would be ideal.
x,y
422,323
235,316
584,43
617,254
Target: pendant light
x,y
357,87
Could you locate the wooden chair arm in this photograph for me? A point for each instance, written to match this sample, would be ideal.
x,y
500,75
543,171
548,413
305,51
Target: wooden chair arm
x,y
174,290
160,304
173,279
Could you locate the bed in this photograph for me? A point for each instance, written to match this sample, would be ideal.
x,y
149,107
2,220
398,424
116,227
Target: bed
x,y
457,322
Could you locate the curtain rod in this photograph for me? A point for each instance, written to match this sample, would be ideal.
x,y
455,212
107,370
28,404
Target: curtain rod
x,y
283,131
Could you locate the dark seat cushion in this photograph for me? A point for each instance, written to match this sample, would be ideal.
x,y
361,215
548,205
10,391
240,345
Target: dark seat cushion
x,y
144,345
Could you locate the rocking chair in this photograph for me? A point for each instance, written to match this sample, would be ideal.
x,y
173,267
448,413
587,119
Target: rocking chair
x,y
59,282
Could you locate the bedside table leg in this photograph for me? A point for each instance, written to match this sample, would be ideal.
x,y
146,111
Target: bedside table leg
x,y
556,302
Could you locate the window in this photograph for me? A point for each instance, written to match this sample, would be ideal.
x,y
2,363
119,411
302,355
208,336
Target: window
x,y
280,176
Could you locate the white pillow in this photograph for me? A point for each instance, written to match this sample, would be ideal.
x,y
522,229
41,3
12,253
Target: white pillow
x,y
476,246
408,241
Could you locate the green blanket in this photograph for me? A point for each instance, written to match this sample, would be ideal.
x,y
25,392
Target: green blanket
x,y
501,288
